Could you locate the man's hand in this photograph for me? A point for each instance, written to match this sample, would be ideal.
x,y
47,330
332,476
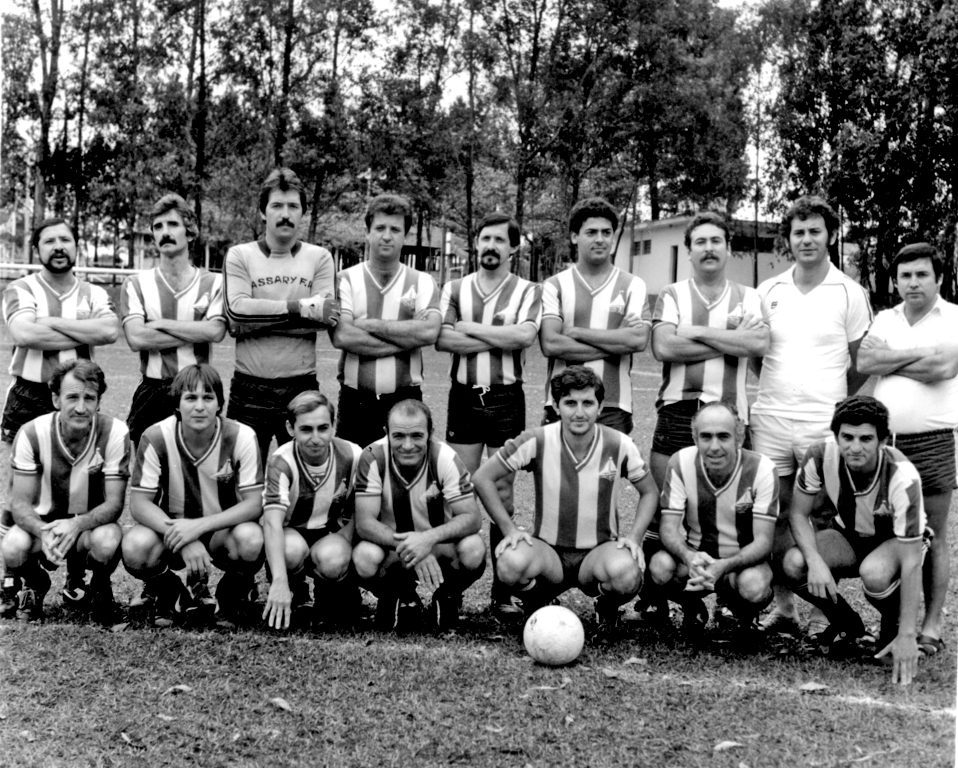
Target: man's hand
x,y
413,547
821,583
631,320
429,573
48,544
322,309
871,342
65,533
750,322
278,611
624,542
904,653
196,559
700,577
181,532
512,540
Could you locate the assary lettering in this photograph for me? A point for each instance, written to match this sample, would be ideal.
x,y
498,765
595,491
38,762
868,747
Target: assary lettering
x,y
284,279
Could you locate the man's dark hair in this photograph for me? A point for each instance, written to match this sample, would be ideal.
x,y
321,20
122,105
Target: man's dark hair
x,y
411,407
806,207
46,224
284,180
576,377
707,217
389,205
83,370
592,208
917,251
173,202
307,402
192,378
497,218
858,410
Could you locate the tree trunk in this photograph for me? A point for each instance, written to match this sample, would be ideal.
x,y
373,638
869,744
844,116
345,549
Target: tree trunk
x,y
199,122
282,117
50,70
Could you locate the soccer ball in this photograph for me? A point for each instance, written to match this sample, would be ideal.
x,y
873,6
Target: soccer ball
x,y
553,636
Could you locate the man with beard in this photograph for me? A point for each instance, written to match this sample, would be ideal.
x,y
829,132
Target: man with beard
x,y
53,317
279,292
171,313
489,319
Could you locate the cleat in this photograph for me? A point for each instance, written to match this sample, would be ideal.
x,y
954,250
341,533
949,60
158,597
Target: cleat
x,y
779,624
235,595
694,619
200,606
9,595
103,607
32,594
144,600
506,609
606,616
299,587
851,642
399,615
76,593
341,608
169,598
444,612
387,613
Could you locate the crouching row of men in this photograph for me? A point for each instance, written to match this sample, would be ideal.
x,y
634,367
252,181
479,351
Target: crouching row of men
x,y
403,512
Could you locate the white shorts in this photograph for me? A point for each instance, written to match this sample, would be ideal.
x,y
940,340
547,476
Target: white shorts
x,y
784,440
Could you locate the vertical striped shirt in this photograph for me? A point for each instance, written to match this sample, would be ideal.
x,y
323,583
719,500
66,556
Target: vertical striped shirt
x,y
721,378
891,506
419,504
576,499
513,302
31,298
71,485
312,497
568,297
407,294
719,520
184,485
149,296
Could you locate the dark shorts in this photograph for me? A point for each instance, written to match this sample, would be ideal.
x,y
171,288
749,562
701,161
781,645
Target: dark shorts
x,y
25,401
312,535
487,416
571,560
151,403
863,546
611,417
933,454
261,404
673,427
361,417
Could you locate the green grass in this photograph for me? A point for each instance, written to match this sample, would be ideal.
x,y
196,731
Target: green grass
x,y
72,694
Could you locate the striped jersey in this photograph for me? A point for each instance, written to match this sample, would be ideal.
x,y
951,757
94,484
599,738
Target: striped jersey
x,y
891,505
568,297
149,296
419,504
719,520
31,297
513,302
71,485
576,499
407,294
184,485
312,497
259,283
721,378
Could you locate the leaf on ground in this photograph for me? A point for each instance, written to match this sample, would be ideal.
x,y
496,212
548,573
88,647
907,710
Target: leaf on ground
x,y
609,672
236,736
569,719
28,735
743,765
273,733
636,660
565,681
625,675
812,687
723,745
166,718
494,728
119,627
281,703
174,689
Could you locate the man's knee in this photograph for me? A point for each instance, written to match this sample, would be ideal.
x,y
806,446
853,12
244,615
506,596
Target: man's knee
x,y
104,541
296,552
622,572
367,557
141,548
876,574
793,565
512,564
331,556
754,584
245,542
662,567
16,548
471,552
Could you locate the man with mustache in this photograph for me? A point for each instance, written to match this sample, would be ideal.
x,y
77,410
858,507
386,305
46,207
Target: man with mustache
x,y
171,313
489,318
594,314
53,317
704,331
279,293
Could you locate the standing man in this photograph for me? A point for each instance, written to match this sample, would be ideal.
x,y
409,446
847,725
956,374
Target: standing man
x,y
879,534
417,515
817,317
171,313
489,318
279,292
53,317
594,314
912,348
577,465
389,313
704,331
719,505
70,472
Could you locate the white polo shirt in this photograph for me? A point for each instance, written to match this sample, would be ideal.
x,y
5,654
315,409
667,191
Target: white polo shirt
x,y
803,374
917,406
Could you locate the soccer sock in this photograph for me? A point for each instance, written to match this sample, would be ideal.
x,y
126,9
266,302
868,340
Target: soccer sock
x,y
888,604
839,613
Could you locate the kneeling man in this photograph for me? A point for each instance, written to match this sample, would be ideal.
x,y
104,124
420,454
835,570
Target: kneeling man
x,y
878,534
727,498
70,471
197,494
575,541
417,513
308,513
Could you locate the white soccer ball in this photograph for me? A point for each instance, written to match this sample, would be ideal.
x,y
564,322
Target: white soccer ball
x,y
553,636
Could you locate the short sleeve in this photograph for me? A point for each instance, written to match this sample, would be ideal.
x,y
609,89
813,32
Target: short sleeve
x,y
453,476
638,303
147,466
674,498
519,452
277,485
25,457
859,315
131,305
427,297
17,300
881,325
634,467
551,302
530,310
345,294
368,478
116,463
765,504
810,472
246,457
449,303
666,308
216,310
101,306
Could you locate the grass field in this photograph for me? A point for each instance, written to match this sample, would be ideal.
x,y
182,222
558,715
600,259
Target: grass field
x,y
73,694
